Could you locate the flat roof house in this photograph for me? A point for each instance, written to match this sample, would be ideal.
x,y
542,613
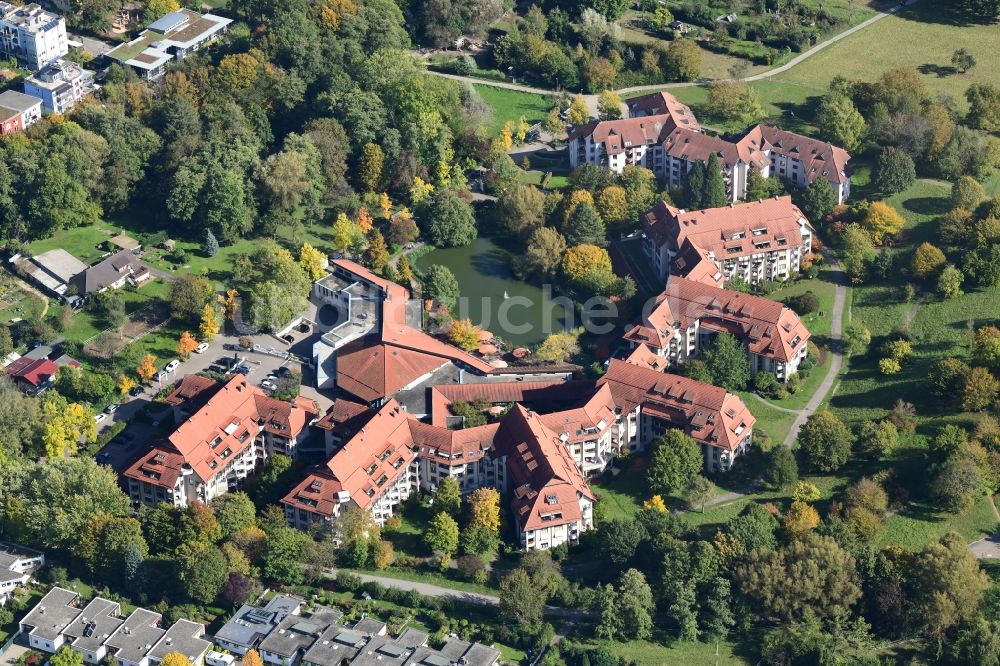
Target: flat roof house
x,y
45,624
88,633
133,640
294,635
60,85
171,37
17,564
185,637
251,624
32,35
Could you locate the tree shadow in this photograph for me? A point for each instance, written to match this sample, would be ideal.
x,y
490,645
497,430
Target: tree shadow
x,y
930,206
957,13
941,71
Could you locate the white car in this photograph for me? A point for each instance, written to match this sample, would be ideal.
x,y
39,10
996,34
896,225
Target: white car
x,y
201,349
99,417
270,386
173,365
112,408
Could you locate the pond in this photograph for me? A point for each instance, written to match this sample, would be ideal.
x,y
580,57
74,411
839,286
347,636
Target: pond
x,y
519,312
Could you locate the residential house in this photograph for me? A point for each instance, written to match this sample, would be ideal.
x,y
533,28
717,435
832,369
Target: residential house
x,y
32,35
661,134
60,85
131,642
251,624
294,635
45,623
18,111
114,272
231,430
551,501
35,375
89,632
17,565
184,637
170,37
688,315
755,241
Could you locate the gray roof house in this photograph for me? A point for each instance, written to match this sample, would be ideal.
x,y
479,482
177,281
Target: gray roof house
x,y
92,627
52,269
294,635
251,624
112,273
455,651
17,564
45,623
183,636
135,638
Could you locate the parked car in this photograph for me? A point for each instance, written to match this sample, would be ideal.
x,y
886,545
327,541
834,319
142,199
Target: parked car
x,y
201,349
283,371
267,385
102,457
99,417
173,365
137,391
112,408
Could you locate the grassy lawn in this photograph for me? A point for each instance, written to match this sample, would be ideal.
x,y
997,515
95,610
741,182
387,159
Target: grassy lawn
x,y
664,649
772,421
623,495
81,242
787,103
511,105
922,36
917,525
429,578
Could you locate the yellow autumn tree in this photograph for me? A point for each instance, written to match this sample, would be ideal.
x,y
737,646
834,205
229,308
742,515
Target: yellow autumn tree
x,y
882,220
521,129
420,191
346,234
383,555
582,260
576,198
656,503
465,334
313,261
209,326
65,426
801,518
125,384
331,12
229,304
385,203
507,136
364,220
146,369
579,112
484,508
186,344
154,9
178,659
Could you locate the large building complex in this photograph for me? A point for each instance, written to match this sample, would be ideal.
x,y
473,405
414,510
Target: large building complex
x,y
227,430
170,37
661,134
32,35
688,315
754,241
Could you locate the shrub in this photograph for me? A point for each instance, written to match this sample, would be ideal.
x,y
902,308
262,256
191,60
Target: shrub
x,y
805,303
889,366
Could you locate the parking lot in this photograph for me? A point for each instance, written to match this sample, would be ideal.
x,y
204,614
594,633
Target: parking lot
x,y
141,433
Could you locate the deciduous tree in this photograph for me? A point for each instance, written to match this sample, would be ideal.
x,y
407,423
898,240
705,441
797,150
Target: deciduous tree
x,y
894,171
675,461
440,284
825,441
441,536
728,363
186,344
209,326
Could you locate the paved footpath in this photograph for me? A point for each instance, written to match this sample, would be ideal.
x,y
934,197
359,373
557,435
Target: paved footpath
x,y
592,99
432,590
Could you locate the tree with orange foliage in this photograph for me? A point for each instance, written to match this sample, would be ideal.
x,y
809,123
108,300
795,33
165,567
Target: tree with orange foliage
x,y
186,344
252,658
465,334
364,220
147,369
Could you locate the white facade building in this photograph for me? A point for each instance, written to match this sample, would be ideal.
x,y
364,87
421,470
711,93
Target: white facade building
x,y
32,35
60,85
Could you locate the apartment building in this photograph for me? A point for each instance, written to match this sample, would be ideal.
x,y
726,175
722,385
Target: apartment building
x,y
754,241
99,633
18,111
689,314
60,85
551,501
230,430
661,134
32,35
171,37
375,470
17,565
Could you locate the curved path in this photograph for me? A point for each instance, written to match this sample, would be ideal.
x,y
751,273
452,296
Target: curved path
x,y
689,84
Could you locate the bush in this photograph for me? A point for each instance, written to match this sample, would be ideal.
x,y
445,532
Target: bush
x,y
889,366
766,384
804,304
348,581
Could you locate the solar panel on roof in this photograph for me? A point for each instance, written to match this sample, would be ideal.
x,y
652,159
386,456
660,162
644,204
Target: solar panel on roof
x,y
391,650
305,628
435,660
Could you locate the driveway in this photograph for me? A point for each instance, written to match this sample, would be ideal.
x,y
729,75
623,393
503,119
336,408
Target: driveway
x,y
94,47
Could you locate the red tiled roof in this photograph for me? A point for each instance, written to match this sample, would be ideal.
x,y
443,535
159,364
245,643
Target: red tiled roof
x,y
317,493
819,158
773,221
709,414
161,466
345,415
767,327
547,483
586,422
376,456
663,103
617,135
694,263
694,146
372,371
34,371
452,447
492,392
644,357
191,387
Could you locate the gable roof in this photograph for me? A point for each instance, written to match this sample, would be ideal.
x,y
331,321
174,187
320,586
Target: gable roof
x,y
663,103
730,231
34,371
102,274
547,484
617,135
709,414
820,159
371,370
